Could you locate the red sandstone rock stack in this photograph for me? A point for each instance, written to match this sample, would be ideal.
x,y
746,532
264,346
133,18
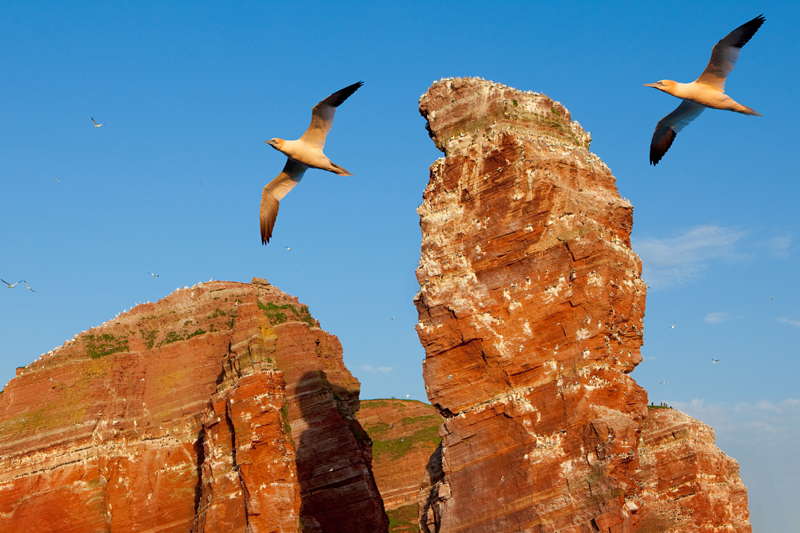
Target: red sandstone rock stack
x,y
222,407
530,308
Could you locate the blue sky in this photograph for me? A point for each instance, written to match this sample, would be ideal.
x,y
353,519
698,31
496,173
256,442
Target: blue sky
x,y
188,93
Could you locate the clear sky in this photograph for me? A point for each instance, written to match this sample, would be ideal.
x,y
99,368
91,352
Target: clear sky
x,y
188,92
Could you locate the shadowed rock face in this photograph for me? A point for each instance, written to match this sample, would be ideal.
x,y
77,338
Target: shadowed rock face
x,y
530,312
222,407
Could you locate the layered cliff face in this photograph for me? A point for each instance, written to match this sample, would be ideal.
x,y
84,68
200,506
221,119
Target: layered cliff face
x,y
404,434
222,407
530,313
687,483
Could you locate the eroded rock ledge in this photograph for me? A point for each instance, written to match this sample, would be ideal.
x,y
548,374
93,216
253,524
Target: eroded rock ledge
x,y
530,312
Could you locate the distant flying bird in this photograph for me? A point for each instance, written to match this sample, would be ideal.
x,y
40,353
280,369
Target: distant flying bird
x,y
58,180
154,275
10,286
289,249
771,298
664,383
96,125
672,326
26,284
706,91
302,154
714,360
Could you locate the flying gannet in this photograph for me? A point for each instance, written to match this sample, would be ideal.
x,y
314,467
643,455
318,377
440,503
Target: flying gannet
x,y
10,286
706,91
96,125
26,284
302,154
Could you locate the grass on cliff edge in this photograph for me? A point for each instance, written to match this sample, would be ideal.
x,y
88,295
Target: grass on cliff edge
x,y
394,448
404,519
100,345
276,315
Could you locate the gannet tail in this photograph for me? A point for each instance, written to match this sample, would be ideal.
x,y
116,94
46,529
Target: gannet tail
x,y
339,170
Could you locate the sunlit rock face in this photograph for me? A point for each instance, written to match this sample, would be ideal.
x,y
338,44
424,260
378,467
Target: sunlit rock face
x,y
222,407
686,482
530,311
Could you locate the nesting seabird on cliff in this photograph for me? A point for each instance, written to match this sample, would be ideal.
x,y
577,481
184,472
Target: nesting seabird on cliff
x,y
706,91
302,154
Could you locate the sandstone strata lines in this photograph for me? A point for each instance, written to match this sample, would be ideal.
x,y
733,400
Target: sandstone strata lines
x,y
223,407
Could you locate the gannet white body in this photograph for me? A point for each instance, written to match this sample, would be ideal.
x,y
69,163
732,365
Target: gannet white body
x,y
303,153
96,125
706,91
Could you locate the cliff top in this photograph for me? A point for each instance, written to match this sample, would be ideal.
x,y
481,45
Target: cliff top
x,y
459,110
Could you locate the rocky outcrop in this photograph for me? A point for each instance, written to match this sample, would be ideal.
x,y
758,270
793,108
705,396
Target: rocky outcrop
x,y
404,434
687,483
530,312
223,407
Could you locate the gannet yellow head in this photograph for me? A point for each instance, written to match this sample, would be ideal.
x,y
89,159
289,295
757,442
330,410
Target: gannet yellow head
x,y
663,85
275,143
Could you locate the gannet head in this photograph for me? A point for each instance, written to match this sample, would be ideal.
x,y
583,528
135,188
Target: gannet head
x,y
663,85
275,143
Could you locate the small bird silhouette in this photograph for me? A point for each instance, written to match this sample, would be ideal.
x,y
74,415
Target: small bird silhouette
x,y
714,360
154,275
664,383
96,125
58,180
673,325
26,284
11,286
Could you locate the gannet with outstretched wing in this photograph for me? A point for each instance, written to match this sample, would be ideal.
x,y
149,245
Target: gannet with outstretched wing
x,y
302,154
96,125
706,91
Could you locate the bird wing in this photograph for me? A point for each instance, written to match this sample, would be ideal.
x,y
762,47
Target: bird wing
x,y
669,126
95,123
276,189
322,116
726,52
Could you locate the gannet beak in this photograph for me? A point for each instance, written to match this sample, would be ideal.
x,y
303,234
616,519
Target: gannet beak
x,y
655,85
